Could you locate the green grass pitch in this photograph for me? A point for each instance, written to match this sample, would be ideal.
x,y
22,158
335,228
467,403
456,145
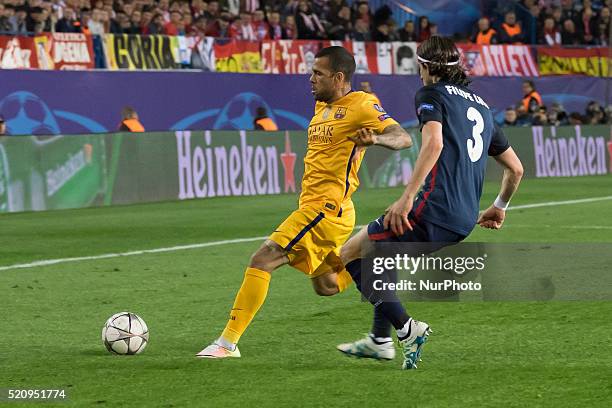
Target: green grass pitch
x,y
497,354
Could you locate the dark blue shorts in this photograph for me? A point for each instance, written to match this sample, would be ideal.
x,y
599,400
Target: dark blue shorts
x,y
422,231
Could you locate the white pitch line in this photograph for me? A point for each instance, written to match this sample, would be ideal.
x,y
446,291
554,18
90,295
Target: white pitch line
x,y
594,227
130,253
557,203
46,262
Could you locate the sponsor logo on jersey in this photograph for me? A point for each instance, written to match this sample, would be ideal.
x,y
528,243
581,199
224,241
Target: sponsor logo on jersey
x,y
425,106
379,108
340,113
384,117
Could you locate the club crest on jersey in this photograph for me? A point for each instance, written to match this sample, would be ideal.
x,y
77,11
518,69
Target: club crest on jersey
x,y
340,113
425,106
379,108
326,113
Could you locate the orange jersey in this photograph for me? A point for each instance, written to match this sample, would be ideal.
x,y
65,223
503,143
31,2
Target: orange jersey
x,y
330,173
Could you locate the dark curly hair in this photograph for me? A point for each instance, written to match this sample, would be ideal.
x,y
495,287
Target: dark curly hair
x,y
439,52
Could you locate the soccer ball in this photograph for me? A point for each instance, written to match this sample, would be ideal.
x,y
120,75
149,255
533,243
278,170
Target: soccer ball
x,y
125,333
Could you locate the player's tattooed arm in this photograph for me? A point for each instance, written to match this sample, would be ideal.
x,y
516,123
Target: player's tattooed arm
x,y
393,137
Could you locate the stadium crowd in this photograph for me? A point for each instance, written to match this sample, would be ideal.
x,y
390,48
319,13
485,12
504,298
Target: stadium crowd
x,y
531,111
567,22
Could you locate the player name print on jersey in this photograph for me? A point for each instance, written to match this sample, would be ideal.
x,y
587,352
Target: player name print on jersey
x,y
453,90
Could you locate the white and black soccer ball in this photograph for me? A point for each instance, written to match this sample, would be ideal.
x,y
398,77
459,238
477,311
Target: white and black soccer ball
x,y
125,333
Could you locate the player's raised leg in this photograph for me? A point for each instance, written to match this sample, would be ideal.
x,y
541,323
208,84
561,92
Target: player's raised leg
x,y
250,297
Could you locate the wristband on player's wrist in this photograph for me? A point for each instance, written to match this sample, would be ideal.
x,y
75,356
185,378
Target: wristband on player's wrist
x,y
499,203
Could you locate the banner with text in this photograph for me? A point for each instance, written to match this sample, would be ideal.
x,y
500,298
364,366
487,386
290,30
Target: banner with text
x,y
499,60
124,51
65,51
17,52
568,61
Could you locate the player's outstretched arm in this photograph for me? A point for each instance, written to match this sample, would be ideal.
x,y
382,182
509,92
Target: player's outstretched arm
x,y
493,217
431,148
392,137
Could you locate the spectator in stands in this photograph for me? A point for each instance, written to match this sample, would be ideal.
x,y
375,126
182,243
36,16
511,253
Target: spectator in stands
x,y
334,8
241,28
172,27
523,118
569,36
510,31
575,119
407,34
485,35
156,26
557,15
595,114
130,121
277,31
361,31
263,121
290,27
540,118
2,126
68,23
433,29
603,26
260,27
341,26
121,24
550,35
309,26
586,26
424,29
164,9
220,27
136,22
568,11
198,9
18,21
38,21
531,98
198,29
213,10
233,6
363,12
381,33
147,17
609,114
291,8
6,12
95,24
554,119
510,117
560,114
